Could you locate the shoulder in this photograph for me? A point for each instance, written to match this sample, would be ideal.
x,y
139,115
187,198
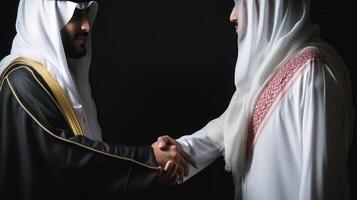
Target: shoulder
x,y
22,75
23,79
307,61
312,76
312,64
308,64
25,87
304,59
310,53
301,74
28,87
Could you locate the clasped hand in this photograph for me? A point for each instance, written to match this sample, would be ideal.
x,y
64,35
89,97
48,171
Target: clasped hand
x,y
173,162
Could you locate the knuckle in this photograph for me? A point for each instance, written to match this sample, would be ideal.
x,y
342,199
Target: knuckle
x,y
174,147
174,154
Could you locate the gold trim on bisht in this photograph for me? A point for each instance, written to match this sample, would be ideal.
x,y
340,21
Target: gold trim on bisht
x,y
61,97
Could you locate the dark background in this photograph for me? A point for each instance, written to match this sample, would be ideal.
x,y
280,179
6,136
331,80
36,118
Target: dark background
x,y
167,67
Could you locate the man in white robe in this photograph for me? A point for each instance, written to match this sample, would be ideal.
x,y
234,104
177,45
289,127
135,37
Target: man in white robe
x,y
288,127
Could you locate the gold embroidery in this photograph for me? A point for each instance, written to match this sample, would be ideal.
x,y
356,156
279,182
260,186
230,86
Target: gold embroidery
x,y
39,82
60,95
69,141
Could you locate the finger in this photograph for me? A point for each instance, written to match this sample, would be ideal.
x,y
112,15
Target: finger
x,y
165,175
176,154
162,142
188,158
169,172
159,170
172,171
174,180
168,166
163,145
183,164
165,142
159,173
172,141
179,149
173,175
180,171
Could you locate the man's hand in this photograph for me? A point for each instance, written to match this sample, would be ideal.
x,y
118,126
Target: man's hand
x,y
173,161
166,142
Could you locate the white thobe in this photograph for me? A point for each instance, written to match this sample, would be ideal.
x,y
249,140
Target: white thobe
x,y
301,152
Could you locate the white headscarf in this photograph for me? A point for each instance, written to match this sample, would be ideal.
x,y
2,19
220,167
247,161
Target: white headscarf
x,y
38,37
269,32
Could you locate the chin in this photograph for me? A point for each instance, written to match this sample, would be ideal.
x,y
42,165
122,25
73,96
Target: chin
x,y
78,54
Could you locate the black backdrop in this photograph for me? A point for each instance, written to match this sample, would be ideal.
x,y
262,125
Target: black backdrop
x,y
166,67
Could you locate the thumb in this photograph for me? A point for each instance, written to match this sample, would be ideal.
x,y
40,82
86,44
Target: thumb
x,y
163,146
164,142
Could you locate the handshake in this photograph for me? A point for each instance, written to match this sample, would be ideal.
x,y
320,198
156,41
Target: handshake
x,y
173,162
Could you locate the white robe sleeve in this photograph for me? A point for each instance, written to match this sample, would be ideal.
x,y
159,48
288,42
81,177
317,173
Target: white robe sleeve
x,y
201,148
323,132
